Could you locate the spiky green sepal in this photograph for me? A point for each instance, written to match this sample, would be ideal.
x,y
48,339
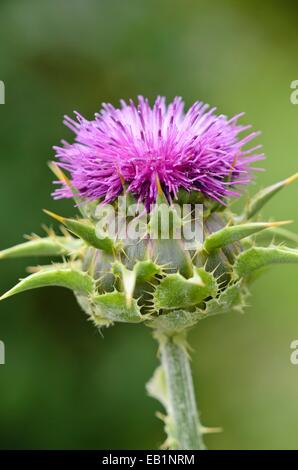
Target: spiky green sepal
x,y
159,279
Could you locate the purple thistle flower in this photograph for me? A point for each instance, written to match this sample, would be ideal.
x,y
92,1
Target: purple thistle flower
x,y
139,145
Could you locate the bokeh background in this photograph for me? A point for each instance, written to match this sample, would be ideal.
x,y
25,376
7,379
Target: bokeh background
x,y
64,386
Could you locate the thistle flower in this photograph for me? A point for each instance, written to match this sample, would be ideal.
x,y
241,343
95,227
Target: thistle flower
x,y
198,151
156,154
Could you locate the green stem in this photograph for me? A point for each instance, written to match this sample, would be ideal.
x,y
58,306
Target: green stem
x,y
182,406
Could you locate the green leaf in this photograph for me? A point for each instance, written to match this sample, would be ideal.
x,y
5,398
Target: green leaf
x,y
85,230
280,234
174,291
231,298
146,270
175,322
230,234
127,278
69,278
259,257
143,271
48,246
262,197
113,307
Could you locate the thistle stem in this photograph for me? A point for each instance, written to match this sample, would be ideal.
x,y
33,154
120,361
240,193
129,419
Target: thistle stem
x,y
182,406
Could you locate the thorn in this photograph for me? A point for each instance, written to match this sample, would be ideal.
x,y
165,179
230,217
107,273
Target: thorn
x,y
64,232
221,275
149,293
124,253
33,269
158,185
221,284
207,430
291,179
59,173
33,236
214,270
55,216
278,224
5,296
49,231
161,416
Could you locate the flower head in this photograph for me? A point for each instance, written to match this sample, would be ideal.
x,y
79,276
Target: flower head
x,y
138,146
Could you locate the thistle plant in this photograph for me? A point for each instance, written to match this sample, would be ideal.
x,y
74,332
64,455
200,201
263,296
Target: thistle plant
x,y
159,159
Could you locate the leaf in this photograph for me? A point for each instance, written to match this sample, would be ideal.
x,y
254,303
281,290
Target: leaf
x,y
175,322
259,257
113,307
143,271
230,234
281,234
232,298
262,197
48,246
146,270
128,280
85,230
69,278
174,291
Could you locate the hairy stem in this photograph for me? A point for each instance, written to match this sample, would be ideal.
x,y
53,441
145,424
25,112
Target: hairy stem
x,y
181,404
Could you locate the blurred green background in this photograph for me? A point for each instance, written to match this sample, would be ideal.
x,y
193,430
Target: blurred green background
x,y
64,386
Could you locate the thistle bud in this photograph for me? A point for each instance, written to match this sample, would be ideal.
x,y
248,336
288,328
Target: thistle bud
x,y
160,159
